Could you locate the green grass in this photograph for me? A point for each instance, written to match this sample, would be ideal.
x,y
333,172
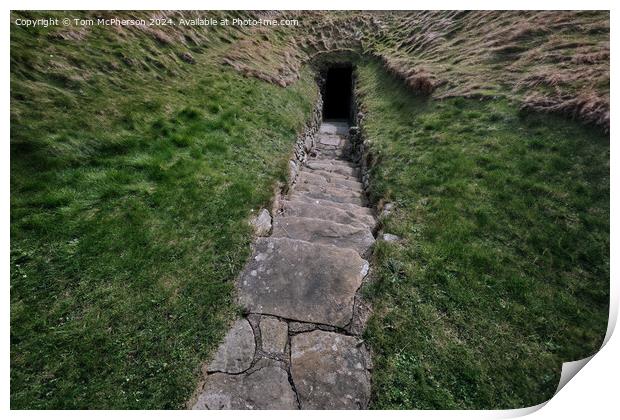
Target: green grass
x,y
503,273
131,188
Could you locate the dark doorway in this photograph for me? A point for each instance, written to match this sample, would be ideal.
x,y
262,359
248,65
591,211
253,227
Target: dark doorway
x,y
337,99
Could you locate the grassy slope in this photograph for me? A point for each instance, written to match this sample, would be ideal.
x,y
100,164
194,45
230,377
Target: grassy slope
x,y
504,269
551,61
129,199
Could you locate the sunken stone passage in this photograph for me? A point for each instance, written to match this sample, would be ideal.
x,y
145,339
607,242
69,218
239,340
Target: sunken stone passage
x,y
299,346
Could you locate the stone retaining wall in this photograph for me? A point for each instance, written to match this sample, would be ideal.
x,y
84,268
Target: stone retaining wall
x,y
360,144
361,153
305,142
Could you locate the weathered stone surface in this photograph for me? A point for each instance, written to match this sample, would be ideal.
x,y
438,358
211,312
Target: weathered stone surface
x,y
335,191
302,281
333,214
236,352
321,146
328,166
357,209
337,195
387,209
335,162
361,314
323,232
267,388
328,179
330,140
308,143
334,127
330,174
388,237
274,334
262,223
327,154
298,327
292,170
329,371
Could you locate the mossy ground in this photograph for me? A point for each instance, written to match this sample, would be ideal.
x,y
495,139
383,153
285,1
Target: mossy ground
x,y
504,269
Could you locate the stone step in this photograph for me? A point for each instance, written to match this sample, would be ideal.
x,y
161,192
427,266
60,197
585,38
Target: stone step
x,y
336,162
334,127
302,281
324,232
329,203
332,166
327,154
306,177
330,371
357,217
327,147
338,191
337,195
329,174
330,140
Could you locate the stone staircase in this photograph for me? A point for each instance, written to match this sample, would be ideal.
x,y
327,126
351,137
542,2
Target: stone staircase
x,y
299,346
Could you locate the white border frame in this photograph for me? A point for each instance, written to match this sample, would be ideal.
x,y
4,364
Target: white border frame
x,y
592,393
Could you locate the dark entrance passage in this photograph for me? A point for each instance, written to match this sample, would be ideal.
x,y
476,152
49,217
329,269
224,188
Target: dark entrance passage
x,y
337,94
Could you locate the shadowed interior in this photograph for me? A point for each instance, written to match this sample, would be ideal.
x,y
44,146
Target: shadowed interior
x,y
337,105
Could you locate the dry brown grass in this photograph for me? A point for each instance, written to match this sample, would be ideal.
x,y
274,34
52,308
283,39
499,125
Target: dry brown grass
x,y
418,79
555,61
586,106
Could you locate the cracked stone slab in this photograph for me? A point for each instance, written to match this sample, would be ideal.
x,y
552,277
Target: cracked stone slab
x,y
267,388
323,232
332,214
330,371
274,334
236,352
302,281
